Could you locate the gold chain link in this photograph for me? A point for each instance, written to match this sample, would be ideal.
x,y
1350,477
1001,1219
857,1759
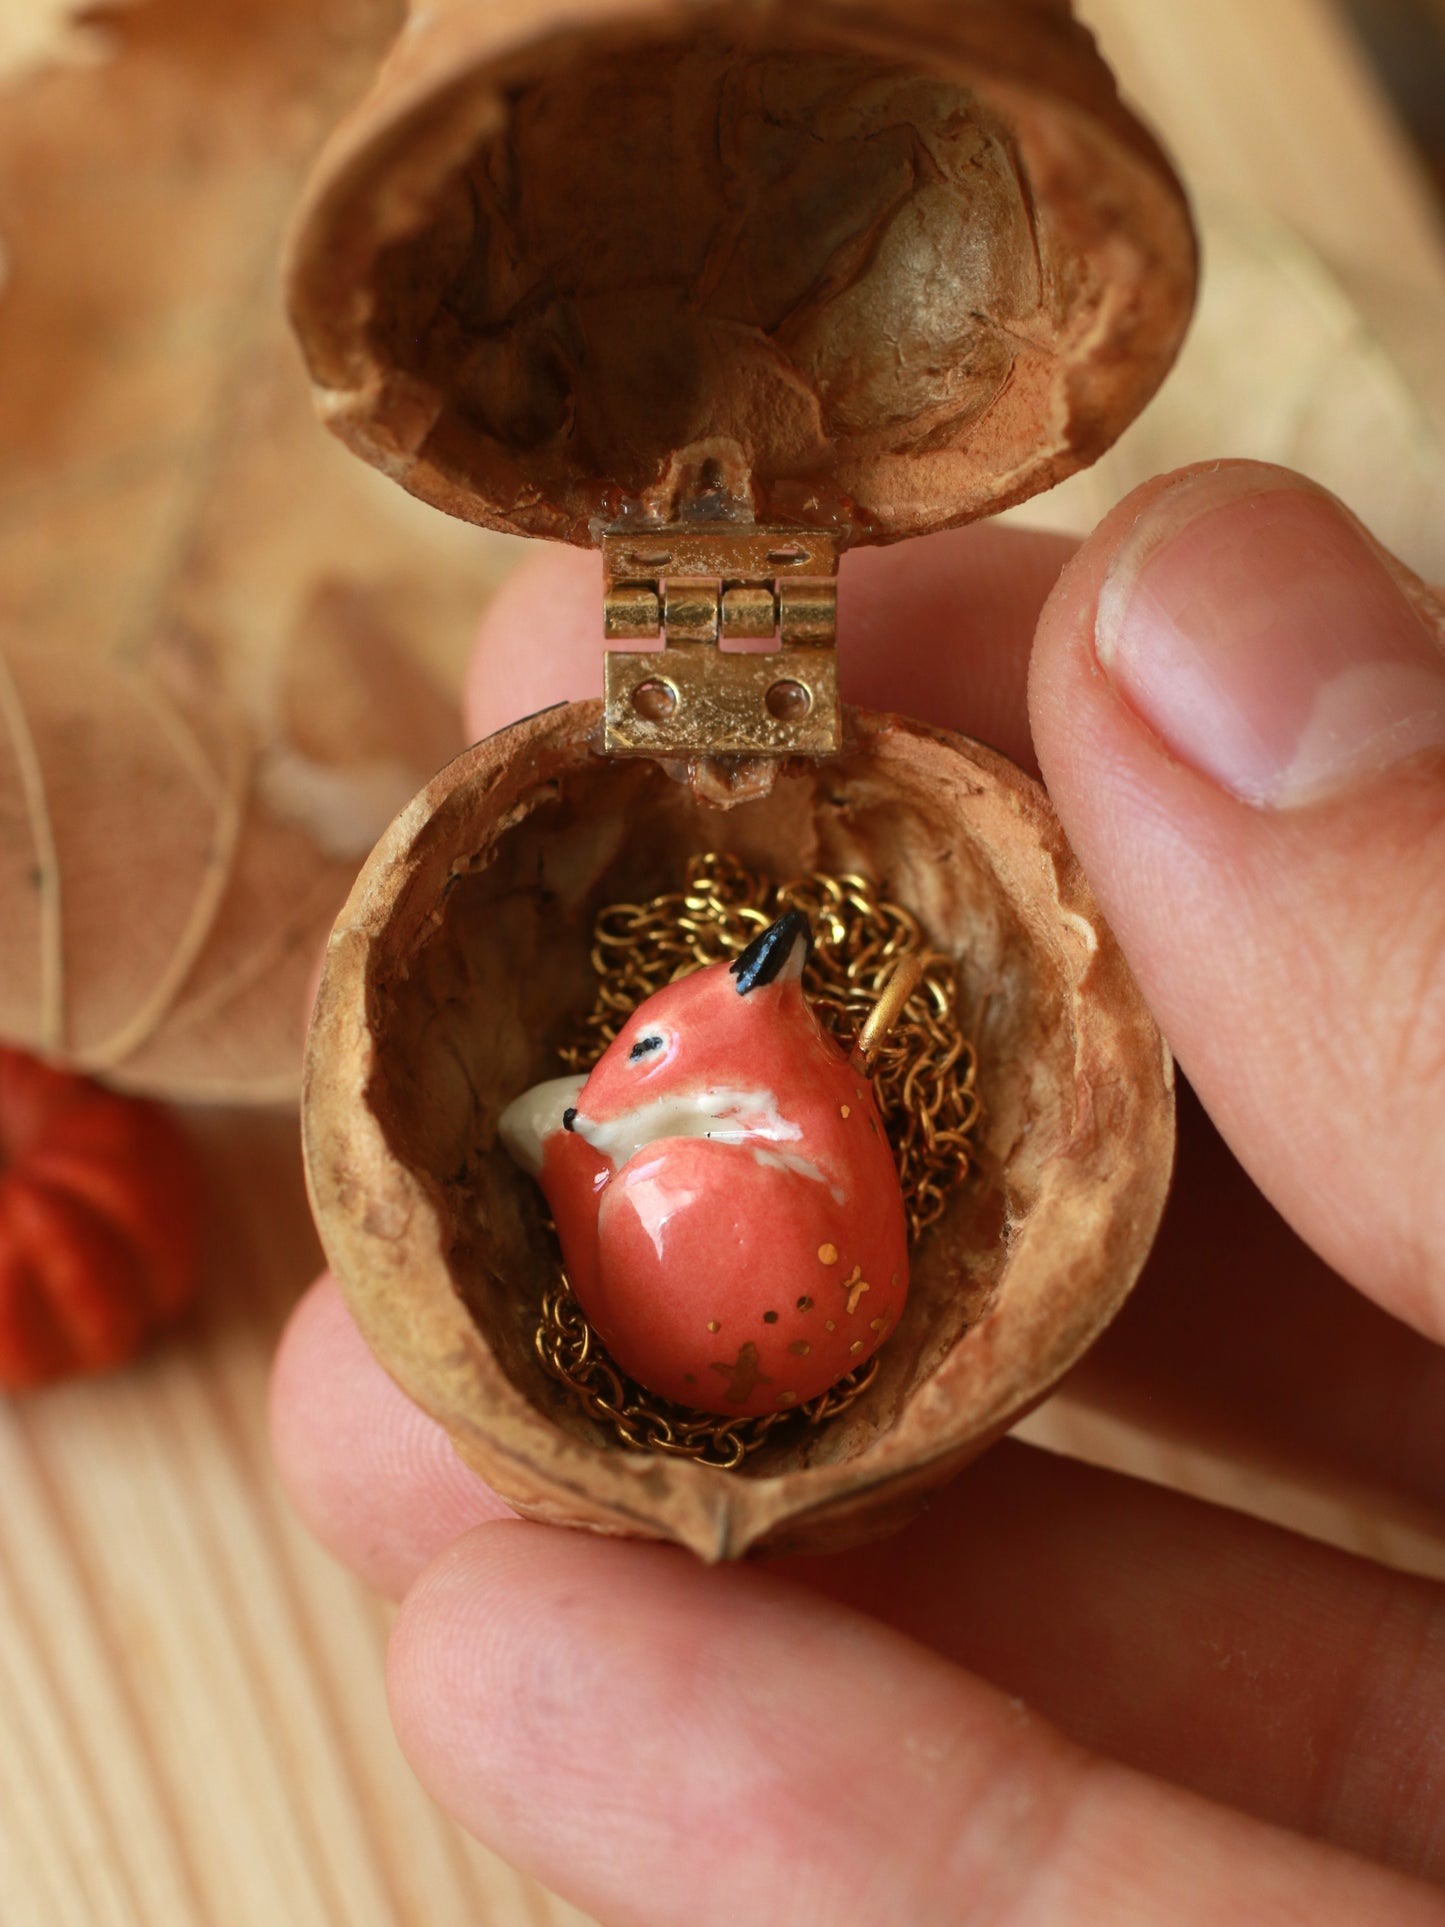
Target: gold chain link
x,y
924,1077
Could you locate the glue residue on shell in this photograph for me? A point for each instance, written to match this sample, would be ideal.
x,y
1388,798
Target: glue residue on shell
x,y
730,1215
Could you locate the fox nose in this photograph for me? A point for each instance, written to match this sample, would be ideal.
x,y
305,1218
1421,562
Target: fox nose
x,y
569,1118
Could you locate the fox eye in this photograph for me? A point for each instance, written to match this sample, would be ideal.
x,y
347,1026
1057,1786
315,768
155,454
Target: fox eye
x,y
645,1046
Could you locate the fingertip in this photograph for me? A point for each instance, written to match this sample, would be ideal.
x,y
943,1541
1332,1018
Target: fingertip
x,y
660,1742
371,1476
1064,665
432,1629
532,1679
1239,706
540,641
941,628
1253,630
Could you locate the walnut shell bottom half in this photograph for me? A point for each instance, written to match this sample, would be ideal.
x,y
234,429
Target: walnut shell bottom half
x,y
452,975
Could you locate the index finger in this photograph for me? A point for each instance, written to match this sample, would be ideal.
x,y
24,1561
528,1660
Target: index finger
x,y
659,1742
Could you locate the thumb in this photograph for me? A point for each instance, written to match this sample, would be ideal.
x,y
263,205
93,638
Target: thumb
x,y
1239,705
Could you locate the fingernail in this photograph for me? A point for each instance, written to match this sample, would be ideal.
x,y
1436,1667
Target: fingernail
x,y
1250,623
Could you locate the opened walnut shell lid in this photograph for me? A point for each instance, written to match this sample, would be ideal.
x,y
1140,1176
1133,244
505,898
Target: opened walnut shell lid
x,y
451,979
876,265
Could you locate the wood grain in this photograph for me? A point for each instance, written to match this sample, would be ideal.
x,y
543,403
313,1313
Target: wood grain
x,y
192,1723
194,1727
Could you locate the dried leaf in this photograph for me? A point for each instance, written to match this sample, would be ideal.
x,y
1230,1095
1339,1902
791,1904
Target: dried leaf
x,y
137,876
35,34
359,719
225,642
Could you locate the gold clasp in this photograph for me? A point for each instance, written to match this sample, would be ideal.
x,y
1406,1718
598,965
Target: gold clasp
x,y
700,588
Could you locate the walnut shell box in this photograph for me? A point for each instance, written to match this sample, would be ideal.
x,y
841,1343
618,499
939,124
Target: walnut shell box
x,y
847,271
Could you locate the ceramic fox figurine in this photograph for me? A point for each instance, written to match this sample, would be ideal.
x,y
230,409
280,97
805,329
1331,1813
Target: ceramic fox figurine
x,y
727,1203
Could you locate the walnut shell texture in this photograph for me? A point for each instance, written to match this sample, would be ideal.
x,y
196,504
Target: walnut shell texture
x,y
449,982
877,265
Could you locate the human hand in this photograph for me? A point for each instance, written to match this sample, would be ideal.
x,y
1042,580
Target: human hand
x,y
1256,786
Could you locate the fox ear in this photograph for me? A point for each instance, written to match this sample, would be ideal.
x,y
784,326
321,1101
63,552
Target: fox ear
x,y
775,955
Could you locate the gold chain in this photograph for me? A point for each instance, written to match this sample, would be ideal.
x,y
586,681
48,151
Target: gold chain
x,y
924,1076
568,1347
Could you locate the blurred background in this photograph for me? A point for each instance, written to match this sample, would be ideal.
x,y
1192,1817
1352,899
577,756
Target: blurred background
x,y
1403,40
228,653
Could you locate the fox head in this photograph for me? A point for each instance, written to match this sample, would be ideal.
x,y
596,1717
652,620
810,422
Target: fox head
x,y
725,1032
726,1025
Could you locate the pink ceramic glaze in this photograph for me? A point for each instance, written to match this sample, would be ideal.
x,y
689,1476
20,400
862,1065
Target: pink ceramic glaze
x,y
727,1203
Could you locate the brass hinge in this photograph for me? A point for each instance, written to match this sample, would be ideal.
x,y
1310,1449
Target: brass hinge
x,y
699,589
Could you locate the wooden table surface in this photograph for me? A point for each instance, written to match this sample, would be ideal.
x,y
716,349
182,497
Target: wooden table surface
x,y
192,1722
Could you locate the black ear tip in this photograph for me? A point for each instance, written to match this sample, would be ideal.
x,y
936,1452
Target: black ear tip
x,y
769,951
569,1118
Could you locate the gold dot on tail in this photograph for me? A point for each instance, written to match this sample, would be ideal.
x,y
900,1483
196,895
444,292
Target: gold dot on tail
x,y
844,1111
832,1325
827,1254
713,1325
787,1398
800,1348
742,1374
876,1324
856,1346
855,1286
